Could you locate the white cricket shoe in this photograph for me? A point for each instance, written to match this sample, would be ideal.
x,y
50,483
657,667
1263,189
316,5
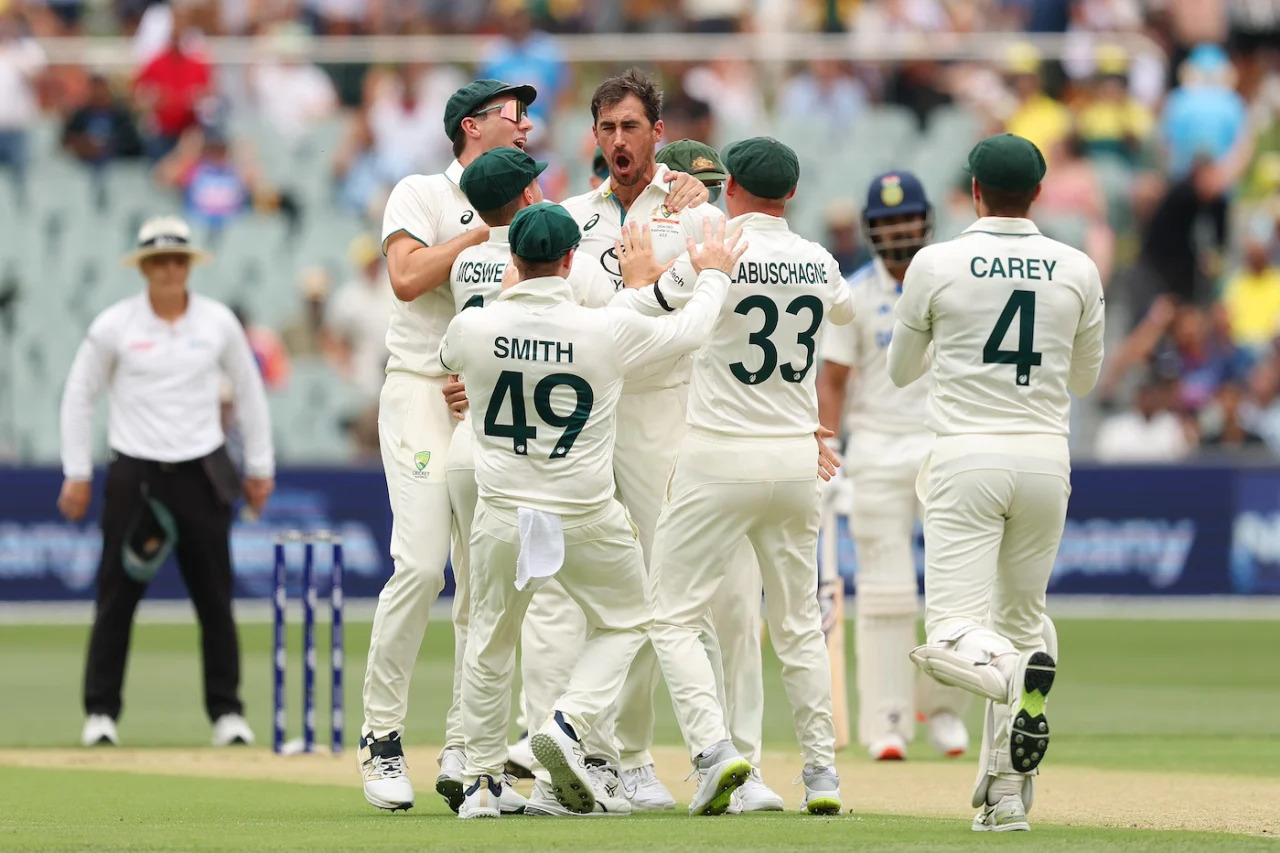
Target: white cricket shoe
x,y
481,799
1007,815
721,771
385,772
947,734
542,803
99,729
557,748
645,790
755,796
230,730
821,790
520,758
890,747
449,783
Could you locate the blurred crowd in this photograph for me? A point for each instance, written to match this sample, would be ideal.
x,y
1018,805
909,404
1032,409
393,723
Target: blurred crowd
x,y
1165,170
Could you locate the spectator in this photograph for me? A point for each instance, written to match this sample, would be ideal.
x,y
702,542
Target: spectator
x,y
729,86
102,130
21,62
1150,431
307,334
169,90
1073,189
1222,424
530,56
404,120
362,183
844,235
824,94
290,93
358,318
686,117
714,16
1203,117
1261,411
1036,116
268,350
1112,122
1252,299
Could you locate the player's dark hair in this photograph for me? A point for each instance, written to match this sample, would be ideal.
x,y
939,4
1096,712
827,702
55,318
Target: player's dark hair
x,y
502,215
536,269
633,81
1007,202
459,142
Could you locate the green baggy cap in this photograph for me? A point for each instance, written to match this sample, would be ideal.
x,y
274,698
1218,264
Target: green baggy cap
x,y
497,177
1006,162
693,157
763,166
543,232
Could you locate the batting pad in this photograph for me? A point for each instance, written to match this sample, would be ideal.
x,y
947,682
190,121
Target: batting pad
x,y
950,667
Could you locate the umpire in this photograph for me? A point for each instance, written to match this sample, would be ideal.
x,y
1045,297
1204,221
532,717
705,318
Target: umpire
x,y
161,356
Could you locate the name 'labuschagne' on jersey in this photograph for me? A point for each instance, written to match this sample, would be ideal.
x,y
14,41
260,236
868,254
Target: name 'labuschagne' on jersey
x,y
531,349
1028,269
773,272
480,272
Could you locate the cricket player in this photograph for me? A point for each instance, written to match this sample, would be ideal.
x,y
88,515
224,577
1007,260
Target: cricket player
x,y
888,438
627,129
427,222
1016,322
747,467
544,377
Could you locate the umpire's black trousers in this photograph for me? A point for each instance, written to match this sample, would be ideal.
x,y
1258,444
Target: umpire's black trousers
x,y
203,550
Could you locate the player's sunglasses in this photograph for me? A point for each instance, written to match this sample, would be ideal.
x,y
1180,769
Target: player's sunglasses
x,y
513,111
715,190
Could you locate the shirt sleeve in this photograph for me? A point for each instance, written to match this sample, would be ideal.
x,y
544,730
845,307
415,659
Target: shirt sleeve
x,y
451,346
251,400
840,343
908,356
411,210
643,300
589,290
1087,350
841,313
90,373
914,309
644,341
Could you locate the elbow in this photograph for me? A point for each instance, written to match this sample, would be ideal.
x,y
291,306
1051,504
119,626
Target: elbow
x,y
403,288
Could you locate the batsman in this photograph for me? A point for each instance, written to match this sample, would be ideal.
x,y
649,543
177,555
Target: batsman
x,y
888,442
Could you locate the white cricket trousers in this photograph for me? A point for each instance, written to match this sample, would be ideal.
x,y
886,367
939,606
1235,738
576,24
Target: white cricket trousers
x,y
604,573
722,489
414,430
882,472
460,474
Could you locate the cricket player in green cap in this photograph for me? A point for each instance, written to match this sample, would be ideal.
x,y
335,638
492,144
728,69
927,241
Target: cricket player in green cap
x,y
1015,323
544,376
748,467
427,222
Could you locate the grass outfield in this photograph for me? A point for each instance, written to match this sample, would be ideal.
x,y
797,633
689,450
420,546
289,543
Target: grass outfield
x,y
1151,704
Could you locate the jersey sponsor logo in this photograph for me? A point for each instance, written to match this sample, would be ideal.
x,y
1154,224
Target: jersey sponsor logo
x,y
1028,269
141,346
531,349
609,260
481,272
467,217
780,272
591,223
421,460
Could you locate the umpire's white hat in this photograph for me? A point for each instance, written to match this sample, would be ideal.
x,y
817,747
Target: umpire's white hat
x,y
164,235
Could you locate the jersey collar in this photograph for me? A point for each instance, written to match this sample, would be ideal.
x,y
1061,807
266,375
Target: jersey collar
x,y
1013,226
498,234
551,289
454,172
756,222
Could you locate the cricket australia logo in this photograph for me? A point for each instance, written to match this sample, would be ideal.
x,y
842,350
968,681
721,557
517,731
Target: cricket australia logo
x,y
420,461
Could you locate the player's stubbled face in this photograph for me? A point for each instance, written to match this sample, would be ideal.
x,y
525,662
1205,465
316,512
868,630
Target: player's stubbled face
x,y
627,139
503,124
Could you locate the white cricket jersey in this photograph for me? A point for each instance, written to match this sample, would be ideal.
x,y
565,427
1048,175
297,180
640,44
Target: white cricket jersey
x,y
877,405
1016,321
600,216
432,210
756,376
162,381
544,376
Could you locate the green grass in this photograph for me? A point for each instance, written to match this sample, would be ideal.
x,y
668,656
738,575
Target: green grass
x,y
1192,696
92,810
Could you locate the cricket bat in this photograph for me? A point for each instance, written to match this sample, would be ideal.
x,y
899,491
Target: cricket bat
x,y
831,603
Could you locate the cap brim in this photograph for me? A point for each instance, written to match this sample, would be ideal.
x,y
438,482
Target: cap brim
x,y
540,166
134,258
897,210
524,94
709,176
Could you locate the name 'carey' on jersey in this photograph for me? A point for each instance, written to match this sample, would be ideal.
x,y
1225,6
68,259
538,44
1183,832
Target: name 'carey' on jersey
x,y
531,349
481,272
779,272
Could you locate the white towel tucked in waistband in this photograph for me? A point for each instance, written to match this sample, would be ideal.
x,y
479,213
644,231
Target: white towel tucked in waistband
x,y
541,545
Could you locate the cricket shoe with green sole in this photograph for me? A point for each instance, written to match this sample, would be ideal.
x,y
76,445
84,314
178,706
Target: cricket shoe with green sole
x,y
1007,815
721,771
1028,727
821,790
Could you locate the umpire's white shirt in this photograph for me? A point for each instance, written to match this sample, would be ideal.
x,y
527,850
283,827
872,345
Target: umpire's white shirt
x,y
877,405
756,376
432,210
162,383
